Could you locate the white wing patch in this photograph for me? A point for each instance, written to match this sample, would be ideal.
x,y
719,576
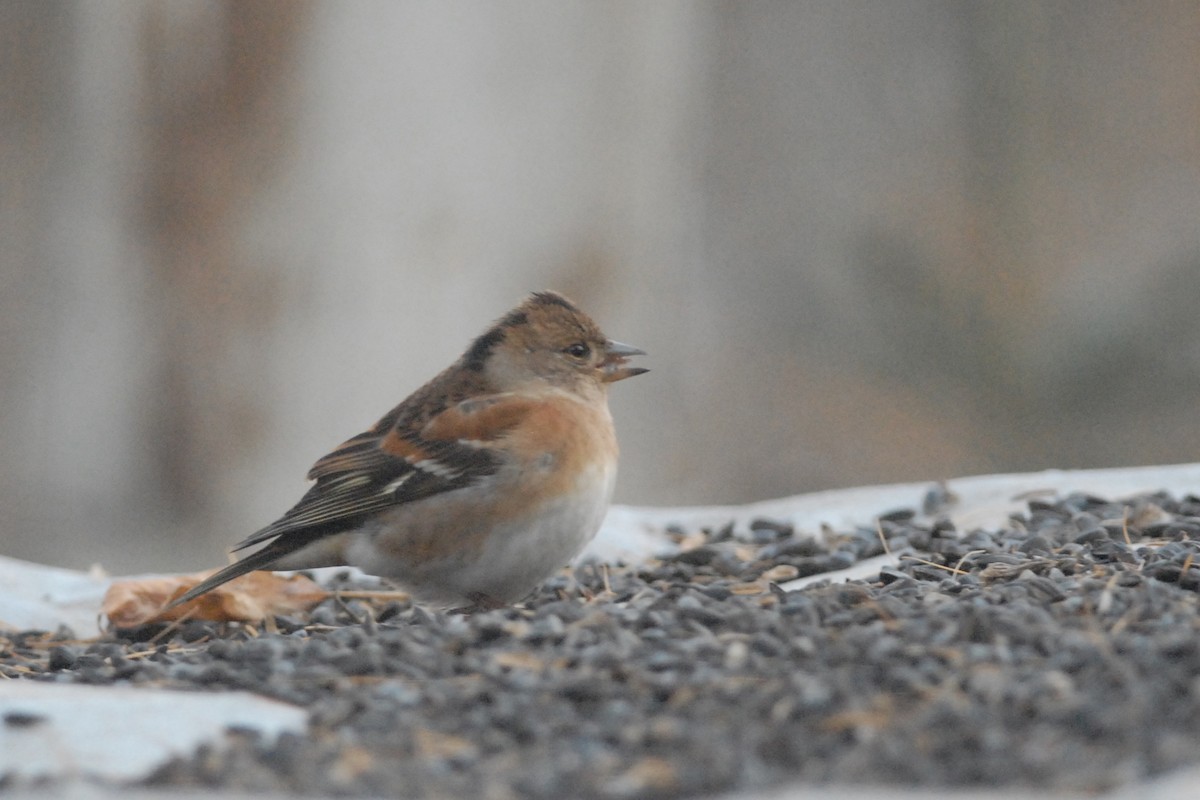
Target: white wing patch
x,y
435,467
396,484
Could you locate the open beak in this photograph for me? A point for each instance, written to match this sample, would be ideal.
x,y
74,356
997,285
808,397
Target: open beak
x,y
614,366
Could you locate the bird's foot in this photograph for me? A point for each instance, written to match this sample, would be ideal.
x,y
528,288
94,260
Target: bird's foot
x,y
480,601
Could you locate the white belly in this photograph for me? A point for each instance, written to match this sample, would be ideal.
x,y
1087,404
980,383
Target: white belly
x,y
503,560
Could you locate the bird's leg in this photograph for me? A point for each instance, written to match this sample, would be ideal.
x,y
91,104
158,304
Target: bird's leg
x,y
480,601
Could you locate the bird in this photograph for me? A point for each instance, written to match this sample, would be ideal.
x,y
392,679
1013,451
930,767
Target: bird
x,y
481,484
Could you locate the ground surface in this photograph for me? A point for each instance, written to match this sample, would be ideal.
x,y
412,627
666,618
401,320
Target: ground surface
x,y
1061,651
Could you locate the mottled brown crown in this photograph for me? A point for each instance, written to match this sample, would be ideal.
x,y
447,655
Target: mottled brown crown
x,y
542,315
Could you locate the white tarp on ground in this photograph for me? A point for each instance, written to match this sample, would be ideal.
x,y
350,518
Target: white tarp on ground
x,y
121,733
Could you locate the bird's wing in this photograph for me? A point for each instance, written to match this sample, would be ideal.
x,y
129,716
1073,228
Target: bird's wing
x,y
388,467
384,467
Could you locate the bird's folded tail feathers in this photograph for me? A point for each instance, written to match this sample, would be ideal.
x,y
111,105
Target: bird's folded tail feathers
x,y
261,559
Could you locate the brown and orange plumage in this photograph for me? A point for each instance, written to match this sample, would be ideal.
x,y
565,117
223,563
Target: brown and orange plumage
x,y
480,484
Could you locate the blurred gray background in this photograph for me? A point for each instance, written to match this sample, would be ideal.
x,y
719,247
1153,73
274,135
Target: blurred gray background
x,y
863,241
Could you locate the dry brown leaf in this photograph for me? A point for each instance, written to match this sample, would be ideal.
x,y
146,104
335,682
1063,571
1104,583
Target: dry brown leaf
x,y
250,598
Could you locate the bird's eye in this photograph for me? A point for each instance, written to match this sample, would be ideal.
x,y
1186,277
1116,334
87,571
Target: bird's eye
x,y
577,350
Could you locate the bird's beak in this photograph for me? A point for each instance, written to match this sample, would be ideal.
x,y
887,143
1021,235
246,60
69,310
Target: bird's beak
x,y
614,365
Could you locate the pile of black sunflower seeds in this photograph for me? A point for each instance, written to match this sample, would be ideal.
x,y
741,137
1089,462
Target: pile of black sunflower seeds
x,y
1060,652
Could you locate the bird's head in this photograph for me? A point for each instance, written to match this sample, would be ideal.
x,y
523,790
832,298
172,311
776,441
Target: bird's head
x,y
548,339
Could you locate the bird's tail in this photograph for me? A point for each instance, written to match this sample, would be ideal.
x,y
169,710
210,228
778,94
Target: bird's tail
x,y
260,559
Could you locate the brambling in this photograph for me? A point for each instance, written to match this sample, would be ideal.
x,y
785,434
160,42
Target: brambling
x,y
479,485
